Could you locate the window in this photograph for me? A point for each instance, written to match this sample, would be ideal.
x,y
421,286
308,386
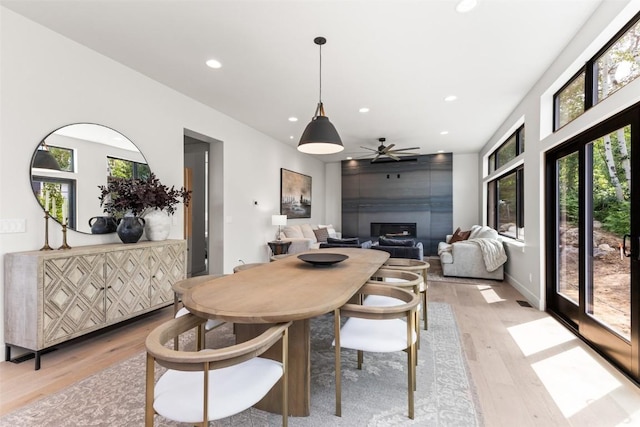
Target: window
x,y
121,168
619,64
64,157
506,200
570,101
616,65
505,194
509,150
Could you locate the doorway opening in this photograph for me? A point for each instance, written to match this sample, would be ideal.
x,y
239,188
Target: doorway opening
x,y
203,218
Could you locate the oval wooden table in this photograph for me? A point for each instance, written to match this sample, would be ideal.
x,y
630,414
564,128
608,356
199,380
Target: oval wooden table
x,y
285,290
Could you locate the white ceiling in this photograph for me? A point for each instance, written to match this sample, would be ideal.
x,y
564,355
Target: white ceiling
x,y
399,58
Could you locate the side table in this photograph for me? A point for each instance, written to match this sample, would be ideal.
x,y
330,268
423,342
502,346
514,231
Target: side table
x,y
278,247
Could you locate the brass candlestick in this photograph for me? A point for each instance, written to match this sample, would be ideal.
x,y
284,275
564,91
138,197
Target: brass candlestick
x,y
46,246
64,235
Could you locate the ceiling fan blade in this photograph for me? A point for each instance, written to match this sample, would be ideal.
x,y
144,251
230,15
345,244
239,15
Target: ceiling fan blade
x,y
375,158
370,149
406,149
393,156
389,147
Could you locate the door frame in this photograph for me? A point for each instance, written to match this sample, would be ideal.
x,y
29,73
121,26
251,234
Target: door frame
x,y
575,318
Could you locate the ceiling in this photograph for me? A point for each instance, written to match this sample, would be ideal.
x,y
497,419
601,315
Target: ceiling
x,y
398,58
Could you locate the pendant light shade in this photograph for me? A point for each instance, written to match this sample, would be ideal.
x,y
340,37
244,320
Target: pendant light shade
x,y
45,160
320,136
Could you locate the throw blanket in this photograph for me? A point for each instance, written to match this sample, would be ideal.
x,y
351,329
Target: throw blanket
x,y
493,252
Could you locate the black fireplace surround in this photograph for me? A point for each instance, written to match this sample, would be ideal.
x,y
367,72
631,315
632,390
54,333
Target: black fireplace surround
x,y
394,229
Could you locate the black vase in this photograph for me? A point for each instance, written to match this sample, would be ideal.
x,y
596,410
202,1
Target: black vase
x,y
130,229
102,225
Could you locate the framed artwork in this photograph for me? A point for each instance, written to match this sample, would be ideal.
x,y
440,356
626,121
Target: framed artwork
x,y
295,194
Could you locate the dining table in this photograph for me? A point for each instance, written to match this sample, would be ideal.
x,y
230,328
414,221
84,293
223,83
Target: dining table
x,y
289,289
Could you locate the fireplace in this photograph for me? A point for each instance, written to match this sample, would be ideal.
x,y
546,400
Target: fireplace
x,y
393,229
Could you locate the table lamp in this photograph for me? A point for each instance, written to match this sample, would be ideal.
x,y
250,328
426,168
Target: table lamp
x,y
278,220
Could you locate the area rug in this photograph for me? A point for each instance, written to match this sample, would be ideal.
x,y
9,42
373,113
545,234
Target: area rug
x,y
373,396
435,274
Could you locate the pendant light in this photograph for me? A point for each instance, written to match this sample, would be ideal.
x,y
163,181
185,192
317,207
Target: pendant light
x,y
43,159
320,136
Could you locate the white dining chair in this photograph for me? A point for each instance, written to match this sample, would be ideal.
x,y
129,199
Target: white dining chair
x,y
378,329
179,288
211,384
415,266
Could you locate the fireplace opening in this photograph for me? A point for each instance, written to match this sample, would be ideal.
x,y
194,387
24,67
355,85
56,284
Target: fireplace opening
x,y
393,229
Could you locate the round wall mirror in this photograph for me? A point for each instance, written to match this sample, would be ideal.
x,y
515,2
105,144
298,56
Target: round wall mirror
x,y
71,162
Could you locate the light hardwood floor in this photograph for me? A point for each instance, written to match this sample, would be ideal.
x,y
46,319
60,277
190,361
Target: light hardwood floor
x,y
528,370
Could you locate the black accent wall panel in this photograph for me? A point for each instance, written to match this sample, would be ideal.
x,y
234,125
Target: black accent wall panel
x,y
418,192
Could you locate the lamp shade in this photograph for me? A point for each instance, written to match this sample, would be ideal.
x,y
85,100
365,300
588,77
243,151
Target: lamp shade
x,y
45,160
278,220
320,137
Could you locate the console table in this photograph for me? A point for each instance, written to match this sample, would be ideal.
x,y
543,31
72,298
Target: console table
x,y
55,296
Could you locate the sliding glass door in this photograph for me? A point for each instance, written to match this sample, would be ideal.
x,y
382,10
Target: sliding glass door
x,y
593,237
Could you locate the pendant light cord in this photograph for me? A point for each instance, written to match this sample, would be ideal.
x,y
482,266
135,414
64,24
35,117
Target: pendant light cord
x,y
320,95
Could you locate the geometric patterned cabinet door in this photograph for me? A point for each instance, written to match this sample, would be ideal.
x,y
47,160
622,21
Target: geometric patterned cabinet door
x,y
167,265
54,296
73,296
127,275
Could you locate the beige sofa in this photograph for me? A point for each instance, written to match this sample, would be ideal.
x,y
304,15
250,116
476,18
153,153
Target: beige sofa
x,y
469,258
304,237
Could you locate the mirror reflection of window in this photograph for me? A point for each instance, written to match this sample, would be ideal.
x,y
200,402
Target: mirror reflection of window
x,y
64,156
121,168
56,197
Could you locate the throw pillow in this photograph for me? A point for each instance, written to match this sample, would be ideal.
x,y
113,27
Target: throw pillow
x,y
347,241
459,236
321,234
455,237
330,229
383,241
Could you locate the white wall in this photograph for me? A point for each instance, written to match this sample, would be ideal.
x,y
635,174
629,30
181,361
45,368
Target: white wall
x,y
466,193
525,268
48,81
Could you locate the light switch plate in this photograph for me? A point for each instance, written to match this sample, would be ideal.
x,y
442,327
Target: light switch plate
x,y
13,226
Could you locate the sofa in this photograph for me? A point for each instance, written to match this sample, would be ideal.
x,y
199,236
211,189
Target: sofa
x,y
351,242
304,237
477,253
400,248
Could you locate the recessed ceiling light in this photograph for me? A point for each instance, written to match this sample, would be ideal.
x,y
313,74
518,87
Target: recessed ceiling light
x,y
291,137
364,110
440,151
349,158
444,132
213,63
466,5
451,98
293,119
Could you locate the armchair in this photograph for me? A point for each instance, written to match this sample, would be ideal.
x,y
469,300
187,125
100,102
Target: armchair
x,y
481,256
400,248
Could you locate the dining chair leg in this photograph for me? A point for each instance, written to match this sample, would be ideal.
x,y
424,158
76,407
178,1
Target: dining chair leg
x,y
424,308
411,366
205,395
285,378
176,301
149,412
360,358
336,328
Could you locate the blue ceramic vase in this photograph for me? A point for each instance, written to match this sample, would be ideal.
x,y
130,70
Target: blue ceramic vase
x,y
130,229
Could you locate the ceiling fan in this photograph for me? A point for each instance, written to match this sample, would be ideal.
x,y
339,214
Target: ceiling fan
x,y
388,151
